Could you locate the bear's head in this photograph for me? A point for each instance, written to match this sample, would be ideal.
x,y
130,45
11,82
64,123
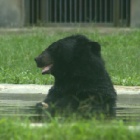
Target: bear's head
x,y
65,54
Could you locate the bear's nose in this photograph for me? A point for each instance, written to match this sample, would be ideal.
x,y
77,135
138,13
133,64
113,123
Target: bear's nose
x,y
35,59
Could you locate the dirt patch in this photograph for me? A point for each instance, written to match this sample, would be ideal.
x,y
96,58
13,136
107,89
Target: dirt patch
x,y
101,30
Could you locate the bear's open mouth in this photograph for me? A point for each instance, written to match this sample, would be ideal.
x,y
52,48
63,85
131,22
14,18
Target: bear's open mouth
x,y
47,69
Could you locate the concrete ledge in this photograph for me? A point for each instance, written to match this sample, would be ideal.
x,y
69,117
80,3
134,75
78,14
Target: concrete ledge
x,y
32,88
20,100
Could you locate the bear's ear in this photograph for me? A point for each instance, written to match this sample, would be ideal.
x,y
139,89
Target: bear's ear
x,y
95,47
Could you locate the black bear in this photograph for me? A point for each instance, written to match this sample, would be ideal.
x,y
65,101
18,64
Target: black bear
x,y
82,83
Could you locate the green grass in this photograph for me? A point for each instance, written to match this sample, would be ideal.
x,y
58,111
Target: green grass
x,y
121,51
72,130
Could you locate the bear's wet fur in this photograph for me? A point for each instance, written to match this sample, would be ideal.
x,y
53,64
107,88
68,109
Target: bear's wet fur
x,y
82,83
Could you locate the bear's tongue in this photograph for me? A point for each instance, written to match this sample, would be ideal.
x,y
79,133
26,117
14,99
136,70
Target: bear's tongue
x,y
46,69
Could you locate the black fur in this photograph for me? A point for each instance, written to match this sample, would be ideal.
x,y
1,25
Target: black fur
x,y
81,80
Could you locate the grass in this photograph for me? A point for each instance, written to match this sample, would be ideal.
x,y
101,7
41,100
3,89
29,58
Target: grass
x,y
73,130
120,50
